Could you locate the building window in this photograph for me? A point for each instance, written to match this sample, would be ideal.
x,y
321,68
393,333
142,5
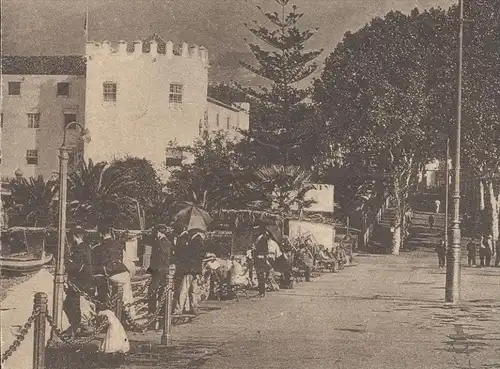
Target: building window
x,y
32,157
69,118
217,120
33,120
175,96
228,122
63,89
15,88
109,91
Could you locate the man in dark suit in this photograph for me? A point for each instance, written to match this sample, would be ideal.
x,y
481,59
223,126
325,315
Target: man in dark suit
x,y
107,258
79,277
189,258
161,255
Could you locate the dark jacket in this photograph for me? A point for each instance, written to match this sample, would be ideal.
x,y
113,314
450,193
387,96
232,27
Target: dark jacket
x,y
78,264
189,256
108,258
161,255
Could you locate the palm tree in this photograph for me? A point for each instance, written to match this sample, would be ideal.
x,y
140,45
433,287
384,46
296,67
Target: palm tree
x,y
33,201
280,188
98,194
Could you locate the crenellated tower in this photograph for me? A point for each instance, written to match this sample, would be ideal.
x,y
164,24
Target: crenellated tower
x,y
140,96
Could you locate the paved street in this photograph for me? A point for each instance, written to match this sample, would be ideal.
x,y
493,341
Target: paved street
x,y
385,312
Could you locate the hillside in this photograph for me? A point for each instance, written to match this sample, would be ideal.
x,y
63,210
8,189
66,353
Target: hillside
x,y
33,27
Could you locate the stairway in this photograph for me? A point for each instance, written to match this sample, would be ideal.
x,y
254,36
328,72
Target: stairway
x,y
381,240
421,236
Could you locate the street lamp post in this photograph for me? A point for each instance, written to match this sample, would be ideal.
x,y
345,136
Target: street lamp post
x,y
57,299
447,193
452,289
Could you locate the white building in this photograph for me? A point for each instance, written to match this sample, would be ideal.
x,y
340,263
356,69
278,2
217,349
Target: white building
x,y
40,94
135,99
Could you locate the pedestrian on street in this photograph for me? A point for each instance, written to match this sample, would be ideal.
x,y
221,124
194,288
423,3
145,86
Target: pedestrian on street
x,y
262,266
250,256
437,203
107,259
307,258
189,260
160,265
78,267
431,222
441,252
485,252
471,253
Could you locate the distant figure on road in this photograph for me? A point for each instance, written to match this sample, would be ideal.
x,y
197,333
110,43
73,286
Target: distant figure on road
x,y
438,204
471,253
431,222
441,252
485,252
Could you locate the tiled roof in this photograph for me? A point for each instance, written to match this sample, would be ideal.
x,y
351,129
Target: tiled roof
x,y
73,65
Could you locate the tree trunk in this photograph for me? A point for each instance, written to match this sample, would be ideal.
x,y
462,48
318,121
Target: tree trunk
x,y
481,196
396,234
494,211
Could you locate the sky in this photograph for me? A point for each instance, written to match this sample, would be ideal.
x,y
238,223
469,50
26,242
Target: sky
x,y
53,27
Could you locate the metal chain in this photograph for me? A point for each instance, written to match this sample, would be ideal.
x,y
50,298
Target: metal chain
x,y
22,335
141,327
145,298
77,341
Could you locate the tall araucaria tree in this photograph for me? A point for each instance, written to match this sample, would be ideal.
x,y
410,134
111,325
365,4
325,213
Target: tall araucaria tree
x,y
286,130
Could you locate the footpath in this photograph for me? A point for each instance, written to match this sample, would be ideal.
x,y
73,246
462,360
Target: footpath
x,y
383,312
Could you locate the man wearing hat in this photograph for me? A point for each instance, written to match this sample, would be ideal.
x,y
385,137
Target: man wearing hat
x,y
189,258
78,267
161,255
262,266
107,260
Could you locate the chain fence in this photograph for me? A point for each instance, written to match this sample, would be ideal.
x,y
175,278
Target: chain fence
x,y
20,336
73,341
134,325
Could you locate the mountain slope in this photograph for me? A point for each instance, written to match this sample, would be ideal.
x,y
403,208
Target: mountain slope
x,y
33,27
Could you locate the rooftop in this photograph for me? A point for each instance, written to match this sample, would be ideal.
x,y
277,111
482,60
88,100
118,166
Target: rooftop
x,y
44,65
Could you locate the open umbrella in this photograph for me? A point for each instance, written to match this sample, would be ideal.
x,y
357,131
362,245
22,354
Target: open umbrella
x,y
193,217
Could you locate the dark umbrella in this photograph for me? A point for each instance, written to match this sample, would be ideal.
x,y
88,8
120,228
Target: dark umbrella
x,y
193,217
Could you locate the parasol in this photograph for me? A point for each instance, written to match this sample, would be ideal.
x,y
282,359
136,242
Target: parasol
x,y
193,217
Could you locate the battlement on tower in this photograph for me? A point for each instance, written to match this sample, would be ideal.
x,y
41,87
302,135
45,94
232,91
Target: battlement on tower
x,y
153,49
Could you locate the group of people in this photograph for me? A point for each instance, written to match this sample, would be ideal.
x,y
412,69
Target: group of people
x,y
270,258
487,250
94,269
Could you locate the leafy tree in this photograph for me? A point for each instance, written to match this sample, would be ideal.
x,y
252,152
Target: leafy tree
x,y
32,202
214,175
286,125
281,188
146,187
98,194
481,104
377,88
